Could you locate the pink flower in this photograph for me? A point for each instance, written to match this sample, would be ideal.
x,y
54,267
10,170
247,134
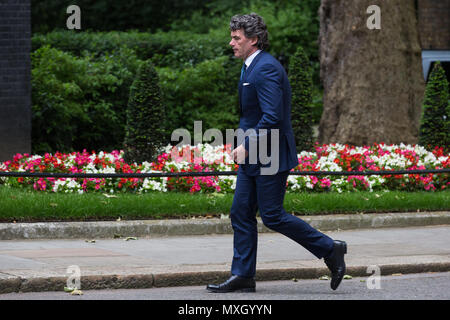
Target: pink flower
x,y
325,183
40,185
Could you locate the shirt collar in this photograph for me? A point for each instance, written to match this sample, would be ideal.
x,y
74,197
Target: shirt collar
x,y
249,59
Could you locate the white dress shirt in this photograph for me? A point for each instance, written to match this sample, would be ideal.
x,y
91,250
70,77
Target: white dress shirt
x,y
250,58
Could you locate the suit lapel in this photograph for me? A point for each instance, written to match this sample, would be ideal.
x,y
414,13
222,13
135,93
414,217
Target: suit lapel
x,y
253,64
247,72
240,92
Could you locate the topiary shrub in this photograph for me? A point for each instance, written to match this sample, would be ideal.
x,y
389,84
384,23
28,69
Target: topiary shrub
x,y
145,132
435,122
300,79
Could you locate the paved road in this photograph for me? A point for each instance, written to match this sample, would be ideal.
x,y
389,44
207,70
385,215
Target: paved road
x,y
51,258
424,286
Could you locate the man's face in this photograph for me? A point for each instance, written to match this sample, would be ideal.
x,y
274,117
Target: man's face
x,y
241,45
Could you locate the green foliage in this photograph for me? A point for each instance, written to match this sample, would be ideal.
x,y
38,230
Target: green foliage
x,y
206,92
99,43
290,24
145,133
79,103
201,36
302,114
176,49
189,49
435,122
189,52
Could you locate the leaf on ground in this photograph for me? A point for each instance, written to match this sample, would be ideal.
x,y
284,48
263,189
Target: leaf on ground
x,y
117,236
68,289
109,195
90,241
77,292
53,204
216,194
348,276
324,278
130,238
397,274
295,279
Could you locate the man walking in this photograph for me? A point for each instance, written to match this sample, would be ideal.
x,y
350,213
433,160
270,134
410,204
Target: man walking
x,y
265,105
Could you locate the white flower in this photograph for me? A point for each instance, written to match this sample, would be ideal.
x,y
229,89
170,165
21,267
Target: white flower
x,y
90,168
150,184
107,170
35,157
442,159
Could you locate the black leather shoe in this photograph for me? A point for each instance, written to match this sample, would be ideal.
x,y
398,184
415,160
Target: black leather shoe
x,y
233,284
336,263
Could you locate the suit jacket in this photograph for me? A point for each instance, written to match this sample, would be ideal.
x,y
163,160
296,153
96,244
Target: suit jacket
x,y
265,103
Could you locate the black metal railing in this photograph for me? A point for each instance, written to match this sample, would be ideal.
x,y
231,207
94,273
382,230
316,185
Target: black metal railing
x,y
209,173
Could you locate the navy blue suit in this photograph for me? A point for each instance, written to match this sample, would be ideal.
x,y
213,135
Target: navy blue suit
x,y
265,102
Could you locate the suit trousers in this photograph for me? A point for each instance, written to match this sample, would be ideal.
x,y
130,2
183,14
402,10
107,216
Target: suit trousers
x,y
266,193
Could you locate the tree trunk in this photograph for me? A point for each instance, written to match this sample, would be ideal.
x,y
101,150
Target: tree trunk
x,y
373,82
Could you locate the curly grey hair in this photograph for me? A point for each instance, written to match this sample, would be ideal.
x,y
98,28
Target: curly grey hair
x,y
253,26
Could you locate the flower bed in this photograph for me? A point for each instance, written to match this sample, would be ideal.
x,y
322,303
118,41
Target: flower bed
x,y
204,158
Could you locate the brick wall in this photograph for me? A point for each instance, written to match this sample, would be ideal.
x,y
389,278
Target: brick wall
x,y
434,24
15,76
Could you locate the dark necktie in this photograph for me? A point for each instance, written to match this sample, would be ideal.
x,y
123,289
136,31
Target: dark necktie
x,y
244,67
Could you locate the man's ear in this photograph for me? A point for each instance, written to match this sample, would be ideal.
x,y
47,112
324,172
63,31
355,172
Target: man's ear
x,y
254,41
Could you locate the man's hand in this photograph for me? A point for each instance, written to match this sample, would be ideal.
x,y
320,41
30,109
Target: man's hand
x,y
239,154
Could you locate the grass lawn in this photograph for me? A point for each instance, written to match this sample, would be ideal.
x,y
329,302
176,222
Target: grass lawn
x,y
19,205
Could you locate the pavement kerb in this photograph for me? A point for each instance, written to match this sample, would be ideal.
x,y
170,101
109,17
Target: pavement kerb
x,y
161,228
141,281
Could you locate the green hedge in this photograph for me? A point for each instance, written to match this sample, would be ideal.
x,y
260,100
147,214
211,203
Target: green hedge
x,y
206,92
175,49
203,36
79,103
